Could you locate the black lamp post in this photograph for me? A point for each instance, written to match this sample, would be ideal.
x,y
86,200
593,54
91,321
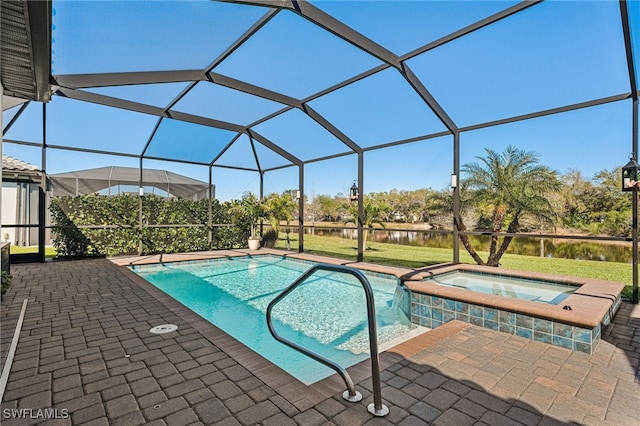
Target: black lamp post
x,y
630,175
353,192
631,182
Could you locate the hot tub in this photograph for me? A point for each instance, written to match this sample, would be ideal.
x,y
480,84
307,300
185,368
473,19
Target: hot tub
x,y
571,317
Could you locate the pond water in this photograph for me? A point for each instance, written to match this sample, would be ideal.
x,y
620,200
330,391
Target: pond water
x,y
527,246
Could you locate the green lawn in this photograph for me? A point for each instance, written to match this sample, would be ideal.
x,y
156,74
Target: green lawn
x,y
48,251
417,257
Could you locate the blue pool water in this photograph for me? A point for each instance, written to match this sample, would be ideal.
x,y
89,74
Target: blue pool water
x,y
326,314
500,285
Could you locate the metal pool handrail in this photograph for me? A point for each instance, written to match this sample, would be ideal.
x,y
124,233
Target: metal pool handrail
x,y
377,408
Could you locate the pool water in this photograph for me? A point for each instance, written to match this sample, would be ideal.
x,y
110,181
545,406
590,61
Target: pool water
x,y
500,285
326,314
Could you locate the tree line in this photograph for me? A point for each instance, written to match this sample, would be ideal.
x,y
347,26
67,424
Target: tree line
x,y
577,204
500,192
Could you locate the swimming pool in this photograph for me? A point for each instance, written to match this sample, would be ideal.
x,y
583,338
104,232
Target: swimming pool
x,y
517,288
327,314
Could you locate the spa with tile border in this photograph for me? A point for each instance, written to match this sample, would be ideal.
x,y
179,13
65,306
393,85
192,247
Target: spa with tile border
x,y
575,324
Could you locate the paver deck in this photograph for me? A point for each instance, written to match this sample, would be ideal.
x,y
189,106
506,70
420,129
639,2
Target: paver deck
x,y
85,350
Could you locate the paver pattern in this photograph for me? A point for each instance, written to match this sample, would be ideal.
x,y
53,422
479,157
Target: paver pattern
x,y
85,350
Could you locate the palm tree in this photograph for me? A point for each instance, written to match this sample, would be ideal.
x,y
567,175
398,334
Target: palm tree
x,y
372,213
249,209
280,207
510,186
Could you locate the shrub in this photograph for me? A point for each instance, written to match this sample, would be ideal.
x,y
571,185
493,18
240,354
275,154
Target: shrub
x,y
6,283
269,238
169,225
69,240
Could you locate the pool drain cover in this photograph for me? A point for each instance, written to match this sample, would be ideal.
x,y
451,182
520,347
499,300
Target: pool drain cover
x,y
164,328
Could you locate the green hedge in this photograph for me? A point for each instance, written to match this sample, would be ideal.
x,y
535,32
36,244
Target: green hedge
x,y
119,215
6,283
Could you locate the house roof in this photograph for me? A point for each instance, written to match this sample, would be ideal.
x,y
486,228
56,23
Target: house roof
x,y
13,164
25,57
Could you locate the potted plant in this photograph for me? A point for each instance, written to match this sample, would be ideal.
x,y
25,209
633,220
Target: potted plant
x,y
250,208
254,242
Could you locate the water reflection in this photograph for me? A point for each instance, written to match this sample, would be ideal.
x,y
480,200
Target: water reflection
x,y
527,246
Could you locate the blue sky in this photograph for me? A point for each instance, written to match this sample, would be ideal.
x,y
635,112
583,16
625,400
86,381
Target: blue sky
x,y
553,54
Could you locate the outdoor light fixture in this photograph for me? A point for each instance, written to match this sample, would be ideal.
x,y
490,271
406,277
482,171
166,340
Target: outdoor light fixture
x,y
630,175
454,180
353,192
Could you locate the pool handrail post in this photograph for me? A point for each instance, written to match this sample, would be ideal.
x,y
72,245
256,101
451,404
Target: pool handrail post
x,y
377,408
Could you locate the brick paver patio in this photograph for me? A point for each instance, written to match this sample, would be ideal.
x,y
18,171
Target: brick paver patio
x,y
85,350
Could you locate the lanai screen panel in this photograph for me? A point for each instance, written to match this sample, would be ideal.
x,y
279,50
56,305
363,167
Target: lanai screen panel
x,y
243,181
380,109
8,115
122,36
550,55
245,155
268,158
159,95
332,177
402,26
222,103
240,154
101,127
180,140
64,161
28,127
301,136
563,141
425,164
292,56
281,180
